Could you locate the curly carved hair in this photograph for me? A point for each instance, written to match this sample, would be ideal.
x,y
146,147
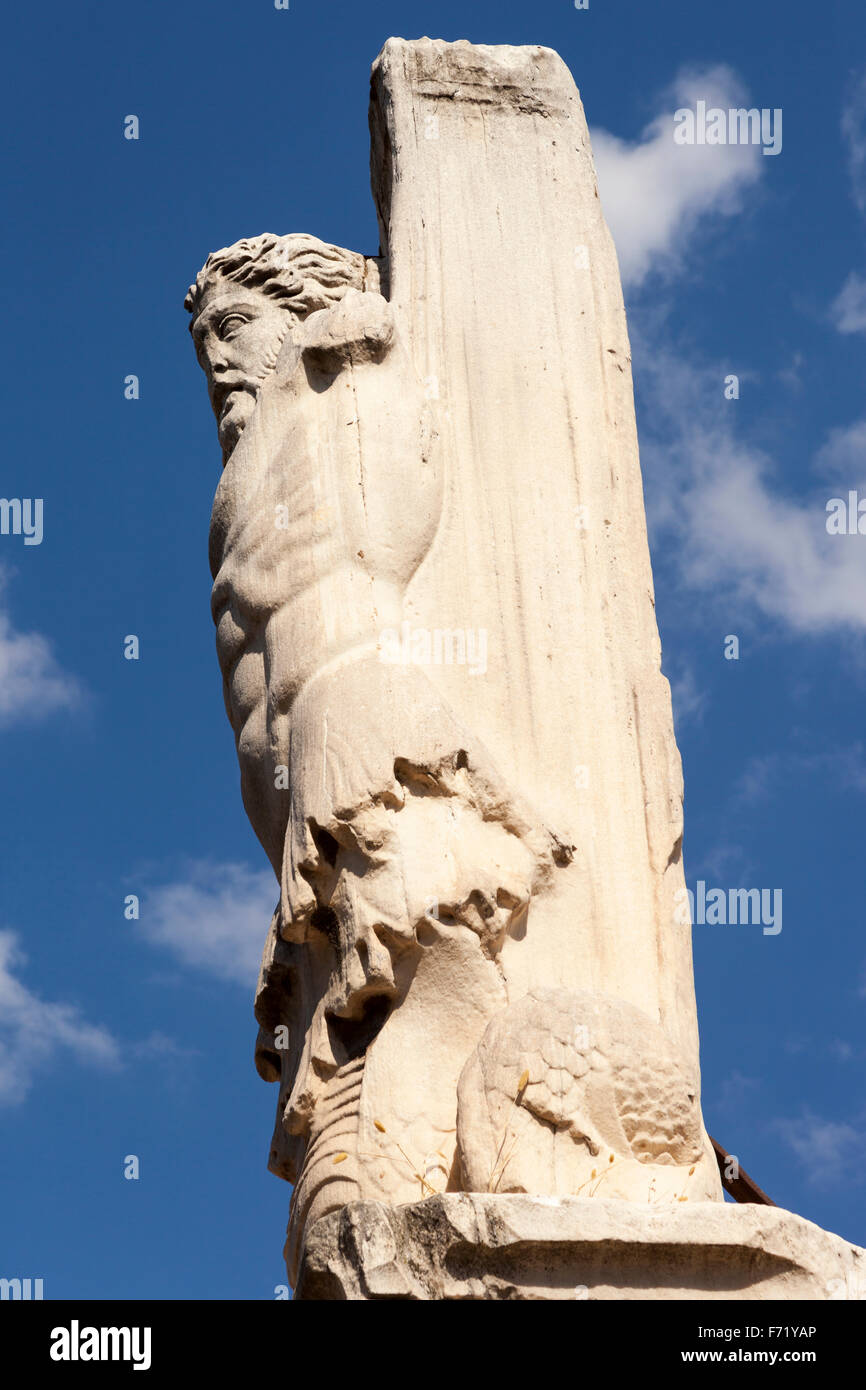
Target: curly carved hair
x,y
300,272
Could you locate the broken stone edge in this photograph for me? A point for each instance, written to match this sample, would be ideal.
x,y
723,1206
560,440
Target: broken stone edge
x,y
475,1246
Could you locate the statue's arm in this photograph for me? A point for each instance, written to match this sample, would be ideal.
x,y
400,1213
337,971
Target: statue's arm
x,y
360,328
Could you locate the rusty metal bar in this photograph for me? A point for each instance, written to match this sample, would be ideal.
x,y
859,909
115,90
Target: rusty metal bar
x,y
742,1188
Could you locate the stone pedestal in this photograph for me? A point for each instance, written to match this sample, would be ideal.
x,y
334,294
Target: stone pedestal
x,y
486,1246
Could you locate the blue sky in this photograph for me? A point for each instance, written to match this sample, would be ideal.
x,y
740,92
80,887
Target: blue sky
x,y
120,1037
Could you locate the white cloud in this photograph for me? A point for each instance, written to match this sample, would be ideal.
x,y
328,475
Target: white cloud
x,y
689,701
764,776
655,192
737,1091
32,684
161,1048
716,504
843,455
848,310
754,782
35,1033
830,1151
837,1048
854,131
790,376
215,919
722,862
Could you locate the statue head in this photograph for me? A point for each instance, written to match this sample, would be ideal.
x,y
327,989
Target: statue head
x,y
243,304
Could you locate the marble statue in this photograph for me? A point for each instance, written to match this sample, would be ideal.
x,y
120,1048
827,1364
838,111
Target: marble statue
x,y
475,980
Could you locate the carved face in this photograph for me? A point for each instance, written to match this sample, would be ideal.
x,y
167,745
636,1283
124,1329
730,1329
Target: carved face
x,y
237,332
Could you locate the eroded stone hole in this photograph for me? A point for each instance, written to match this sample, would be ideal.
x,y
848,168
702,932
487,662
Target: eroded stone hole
x,y
350,1037
324,919
325,843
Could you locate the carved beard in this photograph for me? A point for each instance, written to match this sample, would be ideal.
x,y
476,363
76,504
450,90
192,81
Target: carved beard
x,y
231,427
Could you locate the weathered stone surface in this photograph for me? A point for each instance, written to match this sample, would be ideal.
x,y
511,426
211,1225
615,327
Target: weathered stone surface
x,y
463,1246
577,1094
441,663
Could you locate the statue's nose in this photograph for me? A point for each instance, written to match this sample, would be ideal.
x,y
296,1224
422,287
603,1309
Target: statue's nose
x,y
217,357
303,1091
369,968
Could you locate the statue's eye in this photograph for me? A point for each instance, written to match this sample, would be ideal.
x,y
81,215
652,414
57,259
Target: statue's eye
x,y
230,324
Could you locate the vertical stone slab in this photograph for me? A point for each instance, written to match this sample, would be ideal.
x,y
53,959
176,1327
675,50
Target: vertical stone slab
x,y
498,258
